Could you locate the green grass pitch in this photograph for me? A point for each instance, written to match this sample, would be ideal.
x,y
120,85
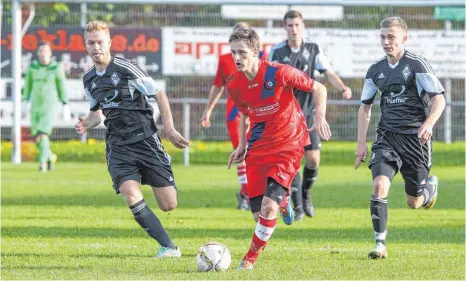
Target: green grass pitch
x,y
69,224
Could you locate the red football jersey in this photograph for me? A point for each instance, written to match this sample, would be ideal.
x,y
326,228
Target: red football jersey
x,y
277,122
226,67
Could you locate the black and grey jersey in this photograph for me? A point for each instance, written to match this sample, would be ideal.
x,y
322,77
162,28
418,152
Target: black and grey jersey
x,y
308,58
121,91
405,89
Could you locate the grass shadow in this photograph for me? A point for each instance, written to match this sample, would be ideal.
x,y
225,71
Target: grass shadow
x,y
453,234
350,196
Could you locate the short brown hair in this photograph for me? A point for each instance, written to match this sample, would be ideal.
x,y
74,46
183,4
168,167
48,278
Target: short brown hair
x,y
394,21
291,14
96,25
241,24
248,36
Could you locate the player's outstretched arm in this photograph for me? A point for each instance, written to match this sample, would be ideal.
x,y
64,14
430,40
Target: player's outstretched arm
x,y
319,93
173,135
338,84
364,117
438,105
92,120
239,154
214,94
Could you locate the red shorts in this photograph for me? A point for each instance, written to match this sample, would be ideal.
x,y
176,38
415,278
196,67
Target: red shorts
x,y
282,167
233,118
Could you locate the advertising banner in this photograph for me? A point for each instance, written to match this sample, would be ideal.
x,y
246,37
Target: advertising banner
x,y
141,45
195,51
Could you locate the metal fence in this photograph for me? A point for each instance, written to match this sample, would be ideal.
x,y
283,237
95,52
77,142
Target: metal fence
x,y
342,116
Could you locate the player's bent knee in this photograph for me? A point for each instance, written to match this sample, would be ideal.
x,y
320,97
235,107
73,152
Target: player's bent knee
x,y
167,204
166,197
170,206
414,202
274,193
412,205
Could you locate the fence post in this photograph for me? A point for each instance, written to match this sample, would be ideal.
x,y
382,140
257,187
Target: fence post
x,y
186,125
83,14
16,77
447,112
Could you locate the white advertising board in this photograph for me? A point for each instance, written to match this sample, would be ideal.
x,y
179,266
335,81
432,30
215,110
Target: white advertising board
x,y
195,51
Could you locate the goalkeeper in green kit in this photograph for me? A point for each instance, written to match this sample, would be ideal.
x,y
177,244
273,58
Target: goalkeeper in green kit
x,y
44,88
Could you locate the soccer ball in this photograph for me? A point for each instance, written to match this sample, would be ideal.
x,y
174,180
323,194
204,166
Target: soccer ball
x,y
213,256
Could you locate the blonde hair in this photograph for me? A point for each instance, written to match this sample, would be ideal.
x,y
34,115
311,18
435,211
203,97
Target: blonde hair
x,y
394,21
96,25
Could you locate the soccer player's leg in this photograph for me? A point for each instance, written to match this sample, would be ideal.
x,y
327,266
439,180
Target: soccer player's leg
x,y
312,154
35,118
384,165
51,161
257,178
155,167
166,197
126,179
232,120
274,196
43,144
52,157
432,183
41,128
310,172
45,126
421,190
287,165
283,171
297,198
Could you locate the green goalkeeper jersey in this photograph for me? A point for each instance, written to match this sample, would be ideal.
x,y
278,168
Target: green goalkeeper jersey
x,y
44,88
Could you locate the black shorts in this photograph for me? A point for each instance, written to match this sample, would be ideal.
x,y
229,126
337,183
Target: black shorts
x,y
393,152
144,161
313,135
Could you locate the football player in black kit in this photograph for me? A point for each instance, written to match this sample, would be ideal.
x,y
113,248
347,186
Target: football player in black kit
x,y
407,85
118,88
305,55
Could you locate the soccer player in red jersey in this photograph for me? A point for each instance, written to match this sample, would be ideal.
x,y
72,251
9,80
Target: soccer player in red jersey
x,y
226,66
263,92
